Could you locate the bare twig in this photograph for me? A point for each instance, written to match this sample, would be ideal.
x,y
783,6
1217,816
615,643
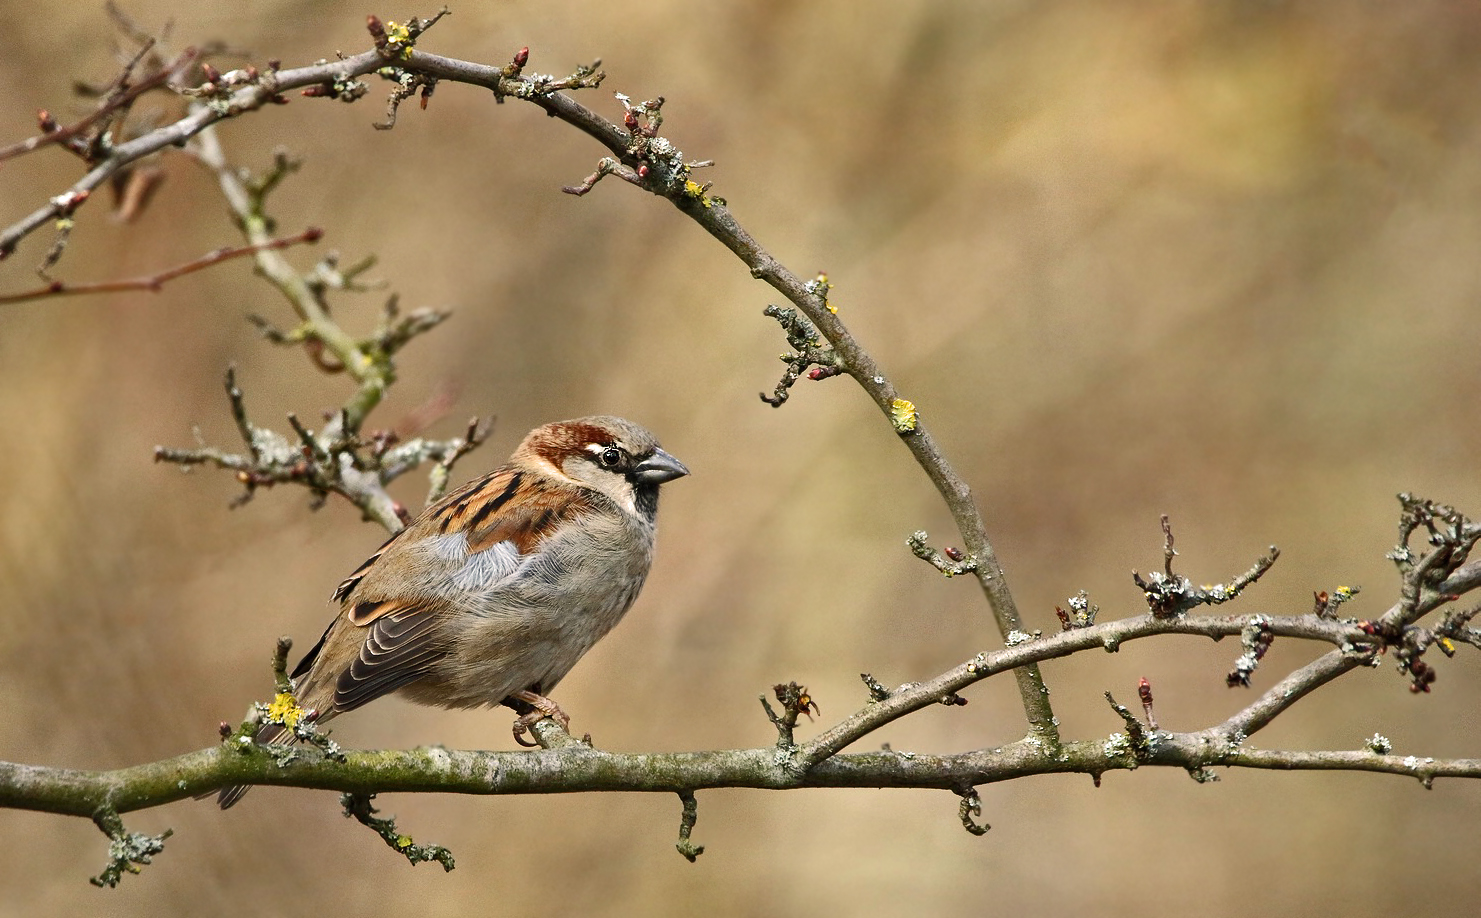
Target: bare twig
x,y
357,807
155,282
687,819
1168,594
115,102
126,850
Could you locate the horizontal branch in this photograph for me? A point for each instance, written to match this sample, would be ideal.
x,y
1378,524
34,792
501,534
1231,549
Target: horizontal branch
x,y
574,767
1108,636
580,769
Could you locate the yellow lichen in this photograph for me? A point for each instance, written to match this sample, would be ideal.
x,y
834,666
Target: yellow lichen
x,y
822,286
398,34
284,710
697,191
903,415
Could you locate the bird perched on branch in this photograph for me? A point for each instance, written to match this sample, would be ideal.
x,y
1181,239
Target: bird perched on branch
x,y
493,593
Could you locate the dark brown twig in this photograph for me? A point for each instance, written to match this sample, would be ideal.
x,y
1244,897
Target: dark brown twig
x,y
155,282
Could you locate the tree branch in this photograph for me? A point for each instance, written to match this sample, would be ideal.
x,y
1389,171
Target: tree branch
x,y
337,459
155,282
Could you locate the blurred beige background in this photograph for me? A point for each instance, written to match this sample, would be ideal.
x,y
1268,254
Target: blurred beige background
x,y
1216,259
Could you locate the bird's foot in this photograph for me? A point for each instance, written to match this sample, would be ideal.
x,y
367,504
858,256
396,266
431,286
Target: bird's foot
x,y
543,708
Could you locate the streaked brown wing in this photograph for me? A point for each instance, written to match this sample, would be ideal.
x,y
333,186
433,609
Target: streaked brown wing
x,y
478,498
398,650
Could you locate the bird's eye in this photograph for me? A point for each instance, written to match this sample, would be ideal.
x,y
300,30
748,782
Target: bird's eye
x,y
611,456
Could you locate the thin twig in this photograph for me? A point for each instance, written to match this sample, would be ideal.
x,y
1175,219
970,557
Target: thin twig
x,y
111,105
155,282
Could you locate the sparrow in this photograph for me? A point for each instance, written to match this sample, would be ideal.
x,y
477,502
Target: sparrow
x,y
493,593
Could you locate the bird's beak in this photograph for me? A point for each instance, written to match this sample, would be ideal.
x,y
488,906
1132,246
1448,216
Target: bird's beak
x,y
658,468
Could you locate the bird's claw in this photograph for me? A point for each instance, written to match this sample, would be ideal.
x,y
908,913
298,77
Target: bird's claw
x,y
542,708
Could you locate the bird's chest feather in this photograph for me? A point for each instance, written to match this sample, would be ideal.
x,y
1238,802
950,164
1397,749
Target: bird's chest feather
x,y
591,572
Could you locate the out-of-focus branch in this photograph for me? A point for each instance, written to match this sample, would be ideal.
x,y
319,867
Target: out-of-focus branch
x,y
114,102
244,91
373,376
336,459
155,282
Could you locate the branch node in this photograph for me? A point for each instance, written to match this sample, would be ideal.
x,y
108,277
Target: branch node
x,y
795,702
1203,774
877,691
1256,639
808,351
1325,604
358,807
1140,743
281,681
1081,614
687,819
1169,595
126,850
951,562
1378,744
971,806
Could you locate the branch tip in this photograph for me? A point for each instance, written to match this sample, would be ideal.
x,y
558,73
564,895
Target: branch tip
x,y
359,808
1169,595
877,691
687,818
951,561
971,806
126,850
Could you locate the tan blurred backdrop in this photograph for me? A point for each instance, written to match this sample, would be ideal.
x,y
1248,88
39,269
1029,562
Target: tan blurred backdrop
x,y
1213,259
